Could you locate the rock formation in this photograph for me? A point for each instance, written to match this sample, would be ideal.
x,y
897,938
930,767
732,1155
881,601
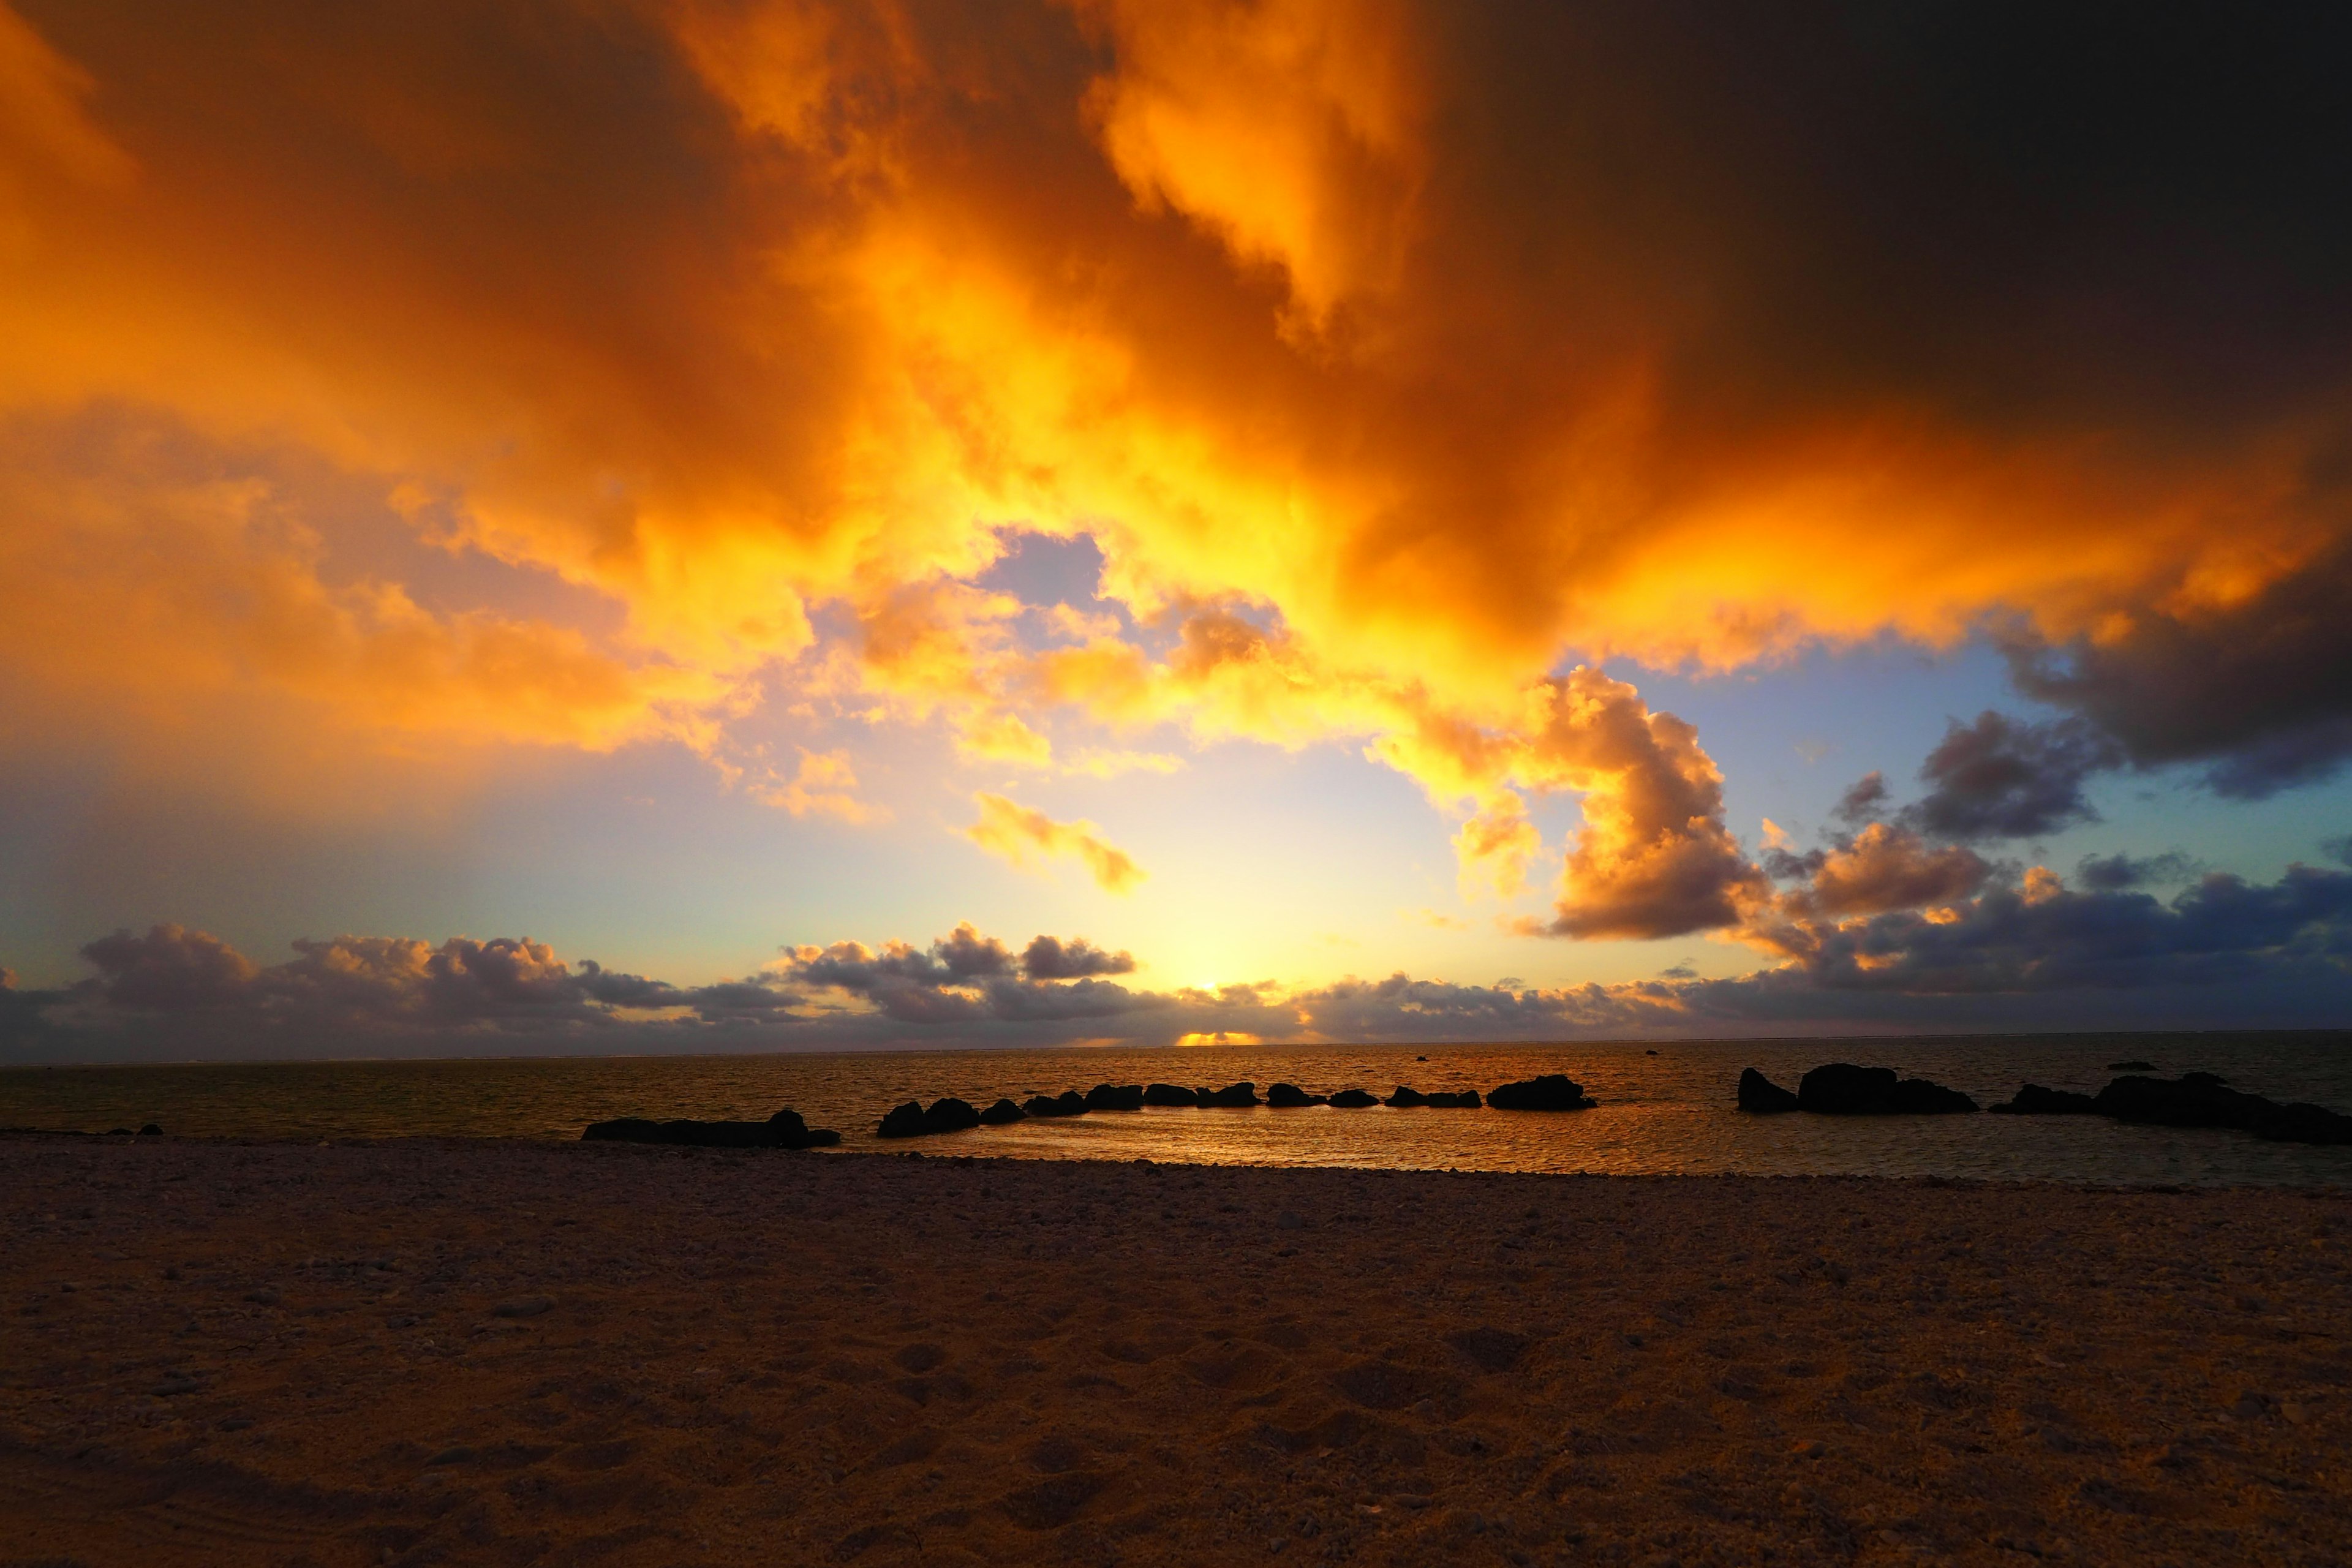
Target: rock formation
x,y
1760,1094
1841,1088
784,1130
1551,1091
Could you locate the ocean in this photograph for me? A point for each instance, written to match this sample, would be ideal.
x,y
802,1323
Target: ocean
x,y
1665,1109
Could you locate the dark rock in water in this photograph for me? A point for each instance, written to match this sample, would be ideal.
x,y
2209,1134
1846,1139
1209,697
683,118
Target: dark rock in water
x,y
2131,1067
1760,1094
911,1120
1231,1096
1404,1099
1072,1103
151,1131
903,1121
785,1130
1168,1094
2202,1100
791,1131
119,1132
1551,1091
1290,1097
1002,1112
1115,1096
2032,1100
1353,1099
622,1129
951,1115
1841,1089
1467,1099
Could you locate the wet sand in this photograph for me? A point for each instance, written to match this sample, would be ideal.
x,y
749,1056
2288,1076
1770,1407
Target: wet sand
x,y
516,1353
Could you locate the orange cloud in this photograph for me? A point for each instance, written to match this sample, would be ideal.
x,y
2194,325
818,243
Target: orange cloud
x,y
1339,325
1020,835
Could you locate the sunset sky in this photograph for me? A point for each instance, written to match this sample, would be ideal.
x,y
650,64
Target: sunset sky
x,y
710,524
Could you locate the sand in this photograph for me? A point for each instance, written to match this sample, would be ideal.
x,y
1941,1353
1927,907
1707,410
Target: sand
x,y
516,1353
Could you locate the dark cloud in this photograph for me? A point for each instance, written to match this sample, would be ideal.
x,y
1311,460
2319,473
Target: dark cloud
x,y
1049,958
2043,938
2117,873
2223,951
1863,801
171,967
2256,688
2338,849
1998,778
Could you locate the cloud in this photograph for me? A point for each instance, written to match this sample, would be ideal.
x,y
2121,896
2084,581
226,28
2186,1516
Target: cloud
x,y
2119,872
1863,801
554,374
1050,958
2001,779
2223,951
2241,673
1890,869
1019,834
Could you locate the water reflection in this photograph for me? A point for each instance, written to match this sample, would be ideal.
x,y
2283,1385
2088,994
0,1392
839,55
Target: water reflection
x,y
1664,1113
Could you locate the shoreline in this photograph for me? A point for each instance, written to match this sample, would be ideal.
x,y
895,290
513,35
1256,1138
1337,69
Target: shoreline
x,y
509,1351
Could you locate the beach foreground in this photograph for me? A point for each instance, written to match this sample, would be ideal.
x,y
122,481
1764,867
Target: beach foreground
x,y
511,1354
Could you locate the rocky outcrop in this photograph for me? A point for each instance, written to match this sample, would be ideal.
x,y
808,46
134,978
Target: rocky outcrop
x,y
784,1130
1353,1099
1463,1099
1233,1096
1115,1096
1002,1112
2202,1100
1761,1095
1170,1094
911,1120
1405,1099
1841,1088
1072,1103
1290,1097
2032,1100
1550,1092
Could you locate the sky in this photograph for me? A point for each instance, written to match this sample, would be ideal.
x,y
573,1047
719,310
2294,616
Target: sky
x,y
644,525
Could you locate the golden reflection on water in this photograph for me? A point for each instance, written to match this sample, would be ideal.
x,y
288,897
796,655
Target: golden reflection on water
x,y
1661,1113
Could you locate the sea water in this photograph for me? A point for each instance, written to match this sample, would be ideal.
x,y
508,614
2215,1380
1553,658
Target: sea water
x,y
1664,1109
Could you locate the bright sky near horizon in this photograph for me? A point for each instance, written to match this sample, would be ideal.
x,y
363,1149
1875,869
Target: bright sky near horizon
x,y
708,525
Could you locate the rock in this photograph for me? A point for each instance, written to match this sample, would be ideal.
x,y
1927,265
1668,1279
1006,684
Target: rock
x,y
1465,1100
1405,1099
951,1115
528,1307
785,1130
791,1131
1233,1096
1002,1112
1290,1097
151,1131
1841,1088
1551,1091
1170,1094
1115,1096
2032,1100
1760,1094
2202,1100
2131,1067
1072,1103
903,1121
1353,1099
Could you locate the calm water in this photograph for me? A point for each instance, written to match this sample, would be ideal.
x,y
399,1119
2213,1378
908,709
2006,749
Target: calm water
x,y
1665,1112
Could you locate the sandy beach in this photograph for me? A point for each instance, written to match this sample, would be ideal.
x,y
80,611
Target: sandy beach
x,y
428,1351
